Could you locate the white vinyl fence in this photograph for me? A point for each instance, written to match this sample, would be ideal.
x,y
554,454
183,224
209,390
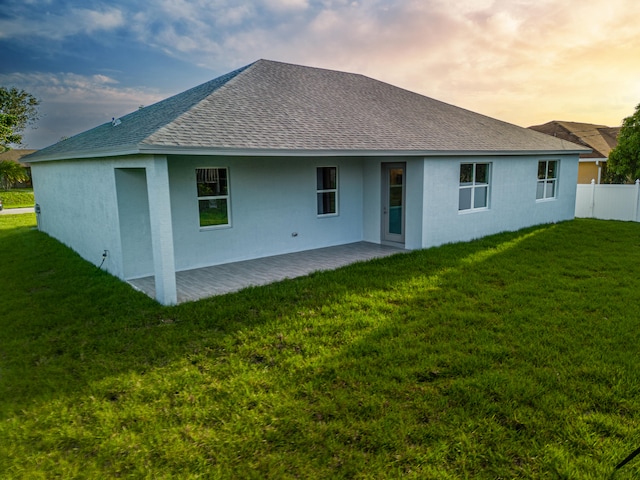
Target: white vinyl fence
x,y
608,202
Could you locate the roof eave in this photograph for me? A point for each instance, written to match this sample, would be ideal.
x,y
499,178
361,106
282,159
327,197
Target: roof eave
x,y
144,149
84,154
262,152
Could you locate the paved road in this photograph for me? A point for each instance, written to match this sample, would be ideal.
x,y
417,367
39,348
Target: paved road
x,y
16,211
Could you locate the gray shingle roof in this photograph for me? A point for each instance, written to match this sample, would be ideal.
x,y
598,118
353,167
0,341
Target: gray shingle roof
x,y
272,106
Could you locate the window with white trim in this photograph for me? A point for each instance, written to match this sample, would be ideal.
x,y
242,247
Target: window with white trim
x,y
547,179
474,186
213,196
327,190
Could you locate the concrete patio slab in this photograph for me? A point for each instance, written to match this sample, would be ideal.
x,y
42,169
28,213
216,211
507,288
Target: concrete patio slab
x,y
231,277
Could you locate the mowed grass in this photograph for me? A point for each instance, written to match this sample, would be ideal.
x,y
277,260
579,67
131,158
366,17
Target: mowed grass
x,y
17,198
514,356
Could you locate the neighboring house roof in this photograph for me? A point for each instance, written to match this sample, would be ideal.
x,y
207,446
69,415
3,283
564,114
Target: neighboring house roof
x,y
600,138
277,108
15,155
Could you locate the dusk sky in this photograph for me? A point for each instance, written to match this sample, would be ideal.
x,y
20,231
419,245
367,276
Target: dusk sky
x,y
523,61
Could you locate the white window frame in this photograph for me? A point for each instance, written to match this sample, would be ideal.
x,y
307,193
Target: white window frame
x,y
544,182
475,186
226,197
322,191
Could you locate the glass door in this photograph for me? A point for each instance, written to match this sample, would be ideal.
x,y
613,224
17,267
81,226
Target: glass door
x,y
393,197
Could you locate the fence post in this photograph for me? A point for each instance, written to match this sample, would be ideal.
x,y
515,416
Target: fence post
x,y
593,197
635,213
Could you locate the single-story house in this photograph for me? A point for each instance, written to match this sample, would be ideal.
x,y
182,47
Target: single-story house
x,y
16,155
276,158
599,138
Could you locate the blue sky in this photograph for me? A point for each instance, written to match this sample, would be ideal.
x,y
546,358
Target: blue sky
x,y
522,61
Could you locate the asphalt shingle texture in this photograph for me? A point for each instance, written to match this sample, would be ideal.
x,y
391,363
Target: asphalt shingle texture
x,y
277,106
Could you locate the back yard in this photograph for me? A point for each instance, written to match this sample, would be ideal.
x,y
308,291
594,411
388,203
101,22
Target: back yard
x,y
515,356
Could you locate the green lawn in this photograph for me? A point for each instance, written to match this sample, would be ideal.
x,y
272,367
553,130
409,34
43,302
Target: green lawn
x,y
516,356
17,198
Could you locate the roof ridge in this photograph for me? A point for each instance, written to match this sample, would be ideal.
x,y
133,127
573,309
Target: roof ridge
x,y
297,65
137,126
594,125
269,105
200,92
209,88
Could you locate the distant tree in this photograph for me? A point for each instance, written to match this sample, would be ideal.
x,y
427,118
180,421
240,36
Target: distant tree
x,y
10,173
7,135
623,165
18,109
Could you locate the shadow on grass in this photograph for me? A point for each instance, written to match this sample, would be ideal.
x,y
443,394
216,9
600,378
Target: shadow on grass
x,y
493,356
464,356
66,324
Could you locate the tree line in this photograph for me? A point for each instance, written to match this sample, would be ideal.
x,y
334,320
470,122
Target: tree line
x,y
623,165
18,110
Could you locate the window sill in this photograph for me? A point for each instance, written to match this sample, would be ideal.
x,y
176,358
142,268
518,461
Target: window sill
x,y
210,228
473,210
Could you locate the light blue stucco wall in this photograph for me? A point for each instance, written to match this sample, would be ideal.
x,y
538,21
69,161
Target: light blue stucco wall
x,y
512,201
273,209
96,205
104,204
79,206
415,205
134,221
